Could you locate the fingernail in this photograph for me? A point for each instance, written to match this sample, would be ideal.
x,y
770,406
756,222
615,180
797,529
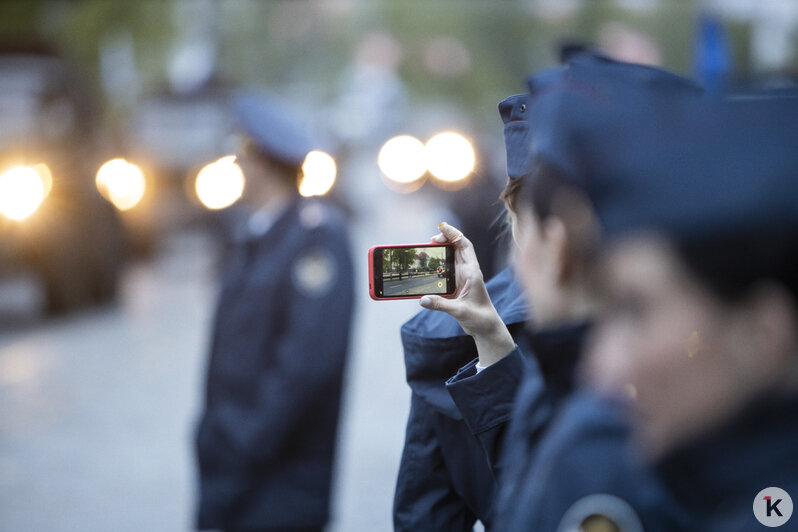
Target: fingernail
x,y
441,224
425,301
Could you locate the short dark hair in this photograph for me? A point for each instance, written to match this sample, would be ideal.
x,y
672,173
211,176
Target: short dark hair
x,y
731,265
543,192
540,188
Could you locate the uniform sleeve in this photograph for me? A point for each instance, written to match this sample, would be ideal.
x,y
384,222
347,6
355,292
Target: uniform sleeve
x,y
485,399
488,400
301,387
425,498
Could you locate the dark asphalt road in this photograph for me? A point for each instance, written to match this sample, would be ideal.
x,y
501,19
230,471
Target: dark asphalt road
x,y
429,284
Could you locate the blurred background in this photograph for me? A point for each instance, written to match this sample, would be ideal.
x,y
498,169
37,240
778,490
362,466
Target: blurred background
x,y
115,186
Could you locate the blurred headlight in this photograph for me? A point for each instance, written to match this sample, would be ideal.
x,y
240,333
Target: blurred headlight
x,y
122,183
318,174
450,156
47,177
401,159
22,190
219,184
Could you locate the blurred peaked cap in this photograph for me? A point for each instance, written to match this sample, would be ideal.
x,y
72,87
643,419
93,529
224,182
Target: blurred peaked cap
x,y
514,112
606,74
580,103
700,169
512,108
516,130
275,133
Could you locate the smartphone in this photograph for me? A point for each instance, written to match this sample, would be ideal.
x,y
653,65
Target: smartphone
x,y
410,271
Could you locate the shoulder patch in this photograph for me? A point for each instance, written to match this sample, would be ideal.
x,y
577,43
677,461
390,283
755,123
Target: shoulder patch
x,y
600,512
314,273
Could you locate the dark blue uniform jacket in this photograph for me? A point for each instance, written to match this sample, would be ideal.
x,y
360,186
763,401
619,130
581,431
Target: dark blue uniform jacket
x,y
520,388
266,438
561,448
719,476
445,482
583,465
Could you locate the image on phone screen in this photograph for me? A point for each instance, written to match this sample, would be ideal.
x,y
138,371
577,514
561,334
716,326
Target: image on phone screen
x,y
405,271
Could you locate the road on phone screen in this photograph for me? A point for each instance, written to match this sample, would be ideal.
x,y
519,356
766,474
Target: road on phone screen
x,y
415,285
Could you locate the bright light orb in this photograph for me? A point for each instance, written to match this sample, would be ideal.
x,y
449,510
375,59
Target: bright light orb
x,y
46,175
220,184
450,156
318,174
402,159
22,190
122,183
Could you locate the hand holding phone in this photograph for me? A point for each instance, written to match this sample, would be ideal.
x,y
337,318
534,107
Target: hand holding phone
x,y
410,271
414,271
472,307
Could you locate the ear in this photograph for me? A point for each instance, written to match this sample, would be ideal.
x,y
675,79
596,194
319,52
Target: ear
x,y
771,320
556,238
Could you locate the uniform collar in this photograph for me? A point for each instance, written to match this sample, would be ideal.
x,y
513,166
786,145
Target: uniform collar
x,y
557,351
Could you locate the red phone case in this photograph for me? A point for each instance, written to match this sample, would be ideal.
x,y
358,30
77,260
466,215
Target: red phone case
x,y
371,271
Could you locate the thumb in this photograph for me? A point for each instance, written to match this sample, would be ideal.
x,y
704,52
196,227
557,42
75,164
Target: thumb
x,y
433,302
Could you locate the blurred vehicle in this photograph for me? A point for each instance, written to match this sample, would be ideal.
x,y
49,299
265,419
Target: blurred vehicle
x,y
441,272
177,136
53,223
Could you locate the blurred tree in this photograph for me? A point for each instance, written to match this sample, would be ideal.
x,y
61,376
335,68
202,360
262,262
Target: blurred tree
x,y
464,55
18,23
387,260
403,259
422,258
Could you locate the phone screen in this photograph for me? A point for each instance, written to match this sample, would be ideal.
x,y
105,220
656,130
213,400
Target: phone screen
x,y
414,271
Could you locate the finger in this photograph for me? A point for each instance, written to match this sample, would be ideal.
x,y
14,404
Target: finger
x,y
439,238
461,243
448,306
452,234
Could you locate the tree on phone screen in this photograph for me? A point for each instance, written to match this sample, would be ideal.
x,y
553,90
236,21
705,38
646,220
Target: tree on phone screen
x,y
422,258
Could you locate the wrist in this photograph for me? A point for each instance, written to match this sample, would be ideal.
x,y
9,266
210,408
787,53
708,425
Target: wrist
x,y
494,344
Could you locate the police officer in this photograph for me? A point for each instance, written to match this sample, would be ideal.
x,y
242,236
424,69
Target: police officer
x,y
266,438
444,481
702,284
554,267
